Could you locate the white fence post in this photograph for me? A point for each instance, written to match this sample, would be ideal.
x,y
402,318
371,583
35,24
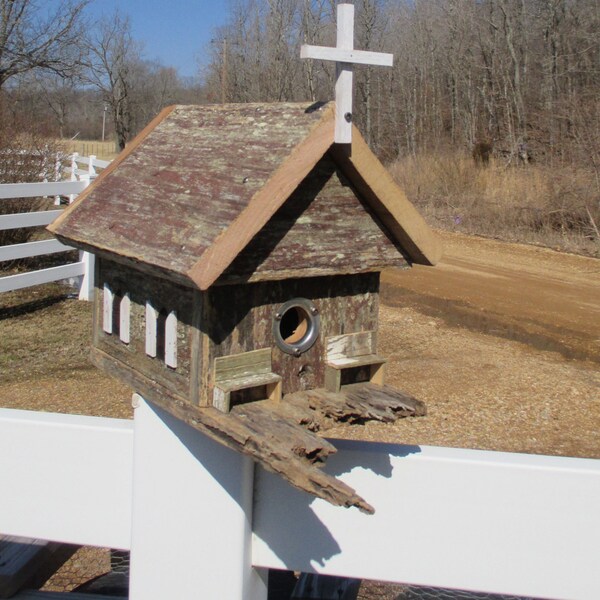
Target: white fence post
x,y
74,157
57,176
91,171
192,514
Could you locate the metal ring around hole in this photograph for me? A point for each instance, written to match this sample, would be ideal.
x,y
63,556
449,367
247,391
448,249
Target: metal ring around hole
x,y
310,313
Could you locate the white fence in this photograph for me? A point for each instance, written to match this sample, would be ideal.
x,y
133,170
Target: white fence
x,y
201,523
80,178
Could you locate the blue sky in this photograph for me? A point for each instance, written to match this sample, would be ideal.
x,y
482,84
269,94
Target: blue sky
x,y
175,32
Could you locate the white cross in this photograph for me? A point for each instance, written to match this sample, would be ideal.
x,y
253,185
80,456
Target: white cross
x,y
344,55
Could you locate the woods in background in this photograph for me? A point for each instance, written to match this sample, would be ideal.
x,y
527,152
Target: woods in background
x,y
521,75
61,74
478,86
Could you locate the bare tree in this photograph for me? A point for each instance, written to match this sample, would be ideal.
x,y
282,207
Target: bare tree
x,y
511,72
113,57
36,35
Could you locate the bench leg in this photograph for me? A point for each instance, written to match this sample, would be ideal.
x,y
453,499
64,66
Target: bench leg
x,y
333,379
221,399
378,373
274,391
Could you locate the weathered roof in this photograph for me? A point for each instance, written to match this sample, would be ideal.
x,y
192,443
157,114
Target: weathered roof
x,y
200,182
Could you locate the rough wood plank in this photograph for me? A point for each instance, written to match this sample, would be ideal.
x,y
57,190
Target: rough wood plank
x,y
239,146
356,361
361,402
243,365
162,295
239,318
394,209
247,381
196,342
266,432
264,203
304,237
336,371
351,345
58,224
333,379
278,444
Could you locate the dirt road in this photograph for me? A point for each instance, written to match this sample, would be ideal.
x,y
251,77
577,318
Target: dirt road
x,y
546,299
502,343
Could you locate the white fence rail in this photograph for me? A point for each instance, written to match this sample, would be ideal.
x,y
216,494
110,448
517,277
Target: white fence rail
x,y
82,269
464,519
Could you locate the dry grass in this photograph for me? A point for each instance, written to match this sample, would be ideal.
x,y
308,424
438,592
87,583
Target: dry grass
x,y
554,207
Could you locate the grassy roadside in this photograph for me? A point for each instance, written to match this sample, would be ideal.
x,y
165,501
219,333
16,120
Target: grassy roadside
x,y
557,207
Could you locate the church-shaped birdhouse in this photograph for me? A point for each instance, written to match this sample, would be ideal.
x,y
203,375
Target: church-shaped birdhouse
x,y
238,252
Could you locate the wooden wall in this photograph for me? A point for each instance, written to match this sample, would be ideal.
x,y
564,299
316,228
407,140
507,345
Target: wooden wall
x,y
227,320
164,296
239,318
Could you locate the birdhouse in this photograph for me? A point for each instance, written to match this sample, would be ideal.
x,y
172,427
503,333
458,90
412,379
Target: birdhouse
x,y
238,252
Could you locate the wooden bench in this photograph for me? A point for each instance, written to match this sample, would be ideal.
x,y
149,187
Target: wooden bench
x,y
241,372
350,351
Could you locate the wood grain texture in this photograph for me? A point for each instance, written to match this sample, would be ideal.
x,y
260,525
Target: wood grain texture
x,y
188,180
386,198
210,194
245,364
264,203
56,226
239,318
164,297
323,228
282,436
351,345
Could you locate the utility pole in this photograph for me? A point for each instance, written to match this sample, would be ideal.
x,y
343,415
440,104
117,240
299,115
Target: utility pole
x,y
224,73
104,121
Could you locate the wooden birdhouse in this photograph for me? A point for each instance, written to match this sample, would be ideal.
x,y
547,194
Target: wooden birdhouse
x,y
238,252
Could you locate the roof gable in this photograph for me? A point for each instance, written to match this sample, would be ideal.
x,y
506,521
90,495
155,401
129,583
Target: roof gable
x,y
196,187
189,175
323,228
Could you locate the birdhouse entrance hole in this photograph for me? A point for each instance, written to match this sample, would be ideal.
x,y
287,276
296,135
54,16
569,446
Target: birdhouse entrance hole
x,y
296,326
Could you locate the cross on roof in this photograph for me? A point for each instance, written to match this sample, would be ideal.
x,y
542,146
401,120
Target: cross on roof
x,y
344,55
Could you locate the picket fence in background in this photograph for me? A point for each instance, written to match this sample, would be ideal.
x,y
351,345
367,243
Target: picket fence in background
x,y
81,171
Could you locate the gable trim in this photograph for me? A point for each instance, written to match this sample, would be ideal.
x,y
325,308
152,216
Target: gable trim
x,y
388,200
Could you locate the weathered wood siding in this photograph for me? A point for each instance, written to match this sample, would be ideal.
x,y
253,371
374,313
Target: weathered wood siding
x,y
239,318
324,228
165,297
